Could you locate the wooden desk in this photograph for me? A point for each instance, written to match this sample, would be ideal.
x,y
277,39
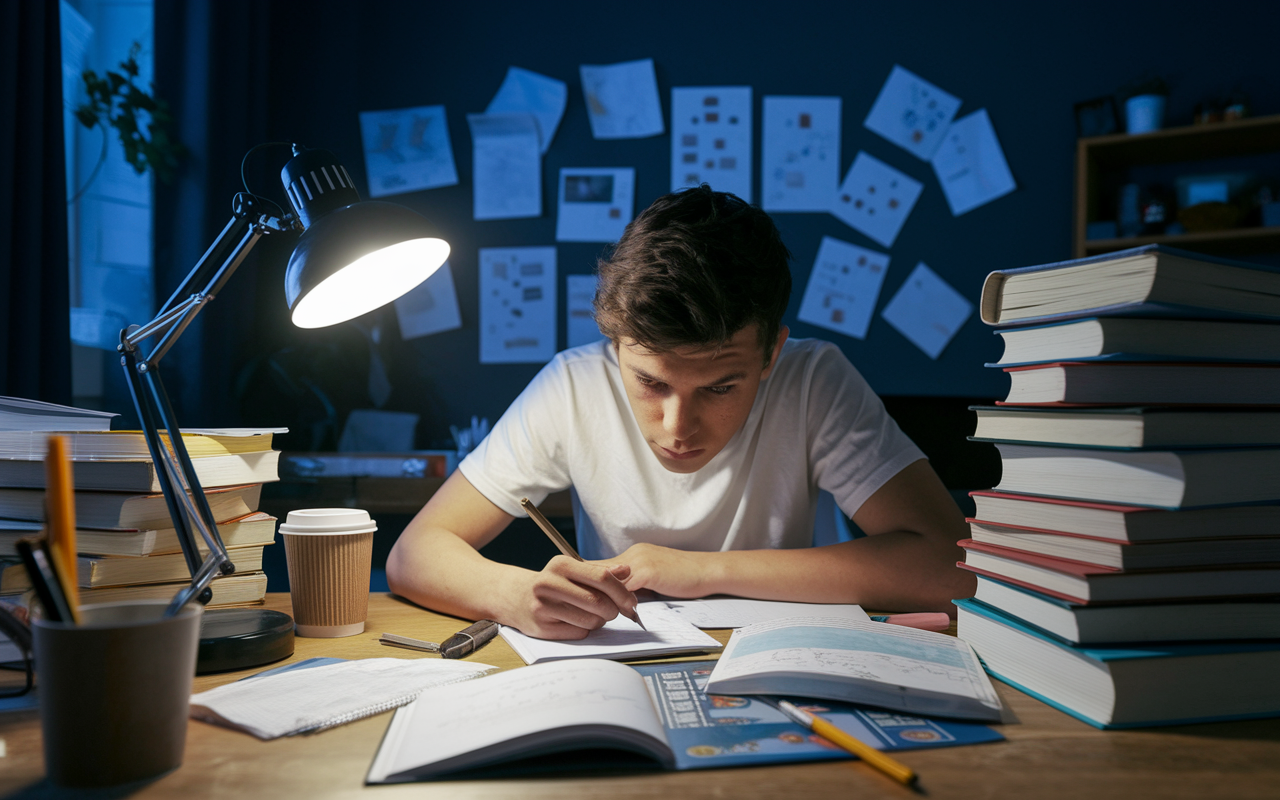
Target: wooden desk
x,y
1049,755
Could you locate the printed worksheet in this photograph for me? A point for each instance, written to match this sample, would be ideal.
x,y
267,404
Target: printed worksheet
x,y
580,312
506,166
711,138
843,287
875,198
970,164
595,203
912,113
927,310
622,99
517,305
407,149
738,612
525,92
800,153
430,307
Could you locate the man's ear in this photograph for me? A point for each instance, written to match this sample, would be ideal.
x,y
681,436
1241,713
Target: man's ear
x,y
783,333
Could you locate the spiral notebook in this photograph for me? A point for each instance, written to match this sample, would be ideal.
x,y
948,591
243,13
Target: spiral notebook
x,y
308,697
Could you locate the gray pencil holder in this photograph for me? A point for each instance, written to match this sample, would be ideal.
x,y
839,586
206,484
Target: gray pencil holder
x,y
115,691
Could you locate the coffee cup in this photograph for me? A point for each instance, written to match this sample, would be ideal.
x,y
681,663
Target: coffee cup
x,y
329,552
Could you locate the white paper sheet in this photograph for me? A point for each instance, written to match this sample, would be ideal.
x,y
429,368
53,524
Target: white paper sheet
x,y
927,310
876,199
711,138
299,699
580,293
517,305
912,113
525,92
406,150
506,166
843,287
738,612
970,164
622,99
800,153
595,203
430,307
372,430
619,638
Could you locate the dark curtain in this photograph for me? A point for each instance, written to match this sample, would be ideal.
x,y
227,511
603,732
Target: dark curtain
x,y
35,303
211,67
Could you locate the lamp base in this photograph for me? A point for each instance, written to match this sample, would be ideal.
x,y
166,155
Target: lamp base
x,y
238,638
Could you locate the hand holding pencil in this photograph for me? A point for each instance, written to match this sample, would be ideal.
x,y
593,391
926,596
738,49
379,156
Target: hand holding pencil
x,y
565,548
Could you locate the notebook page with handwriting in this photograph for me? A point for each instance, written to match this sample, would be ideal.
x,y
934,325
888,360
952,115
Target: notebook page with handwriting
x,y
620,638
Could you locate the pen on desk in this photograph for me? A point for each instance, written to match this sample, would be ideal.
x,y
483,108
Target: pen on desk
x,y
393,640
565,547
925,621
469,639
60,515
894,769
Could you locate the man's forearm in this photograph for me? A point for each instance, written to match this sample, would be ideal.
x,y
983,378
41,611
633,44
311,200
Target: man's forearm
x,y
437,569
898,570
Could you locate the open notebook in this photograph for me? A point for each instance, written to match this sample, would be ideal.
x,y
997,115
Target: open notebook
x,y
620,638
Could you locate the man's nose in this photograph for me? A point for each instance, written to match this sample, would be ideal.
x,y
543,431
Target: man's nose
x,y
679,418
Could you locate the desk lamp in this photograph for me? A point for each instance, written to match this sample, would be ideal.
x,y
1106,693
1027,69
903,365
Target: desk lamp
x,y
353,256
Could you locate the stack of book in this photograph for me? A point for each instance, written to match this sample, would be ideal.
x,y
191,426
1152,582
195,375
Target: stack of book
x,y
128,548
1129,560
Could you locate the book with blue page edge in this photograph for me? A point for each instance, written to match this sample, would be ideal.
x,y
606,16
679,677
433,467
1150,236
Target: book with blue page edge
x,y
1191,682
993,286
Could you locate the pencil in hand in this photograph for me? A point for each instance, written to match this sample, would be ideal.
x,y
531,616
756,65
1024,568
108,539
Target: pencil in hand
x,y
567,549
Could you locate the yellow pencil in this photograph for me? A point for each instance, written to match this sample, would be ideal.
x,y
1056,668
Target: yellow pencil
x,y
894,769
564,547
60,511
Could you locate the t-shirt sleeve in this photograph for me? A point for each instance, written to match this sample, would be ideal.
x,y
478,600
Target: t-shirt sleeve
x,y
525,454
855,446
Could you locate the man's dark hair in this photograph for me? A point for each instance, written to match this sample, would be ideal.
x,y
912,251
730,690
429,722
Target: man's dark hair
x,y
693,269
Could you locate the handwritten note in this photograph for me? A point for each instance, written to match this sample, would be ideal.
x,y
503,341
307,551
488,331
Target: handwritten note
x,y
970,164
506,166
622,99
927,310
525,92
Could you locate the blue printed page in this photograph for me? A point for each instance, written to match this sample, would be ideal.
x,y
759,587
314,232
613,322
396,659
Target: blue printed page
x,y
893,666
722,731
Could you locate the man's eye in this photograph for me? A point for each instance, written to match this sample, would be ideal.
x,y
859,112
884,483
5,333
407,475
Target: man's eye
x,y
720,389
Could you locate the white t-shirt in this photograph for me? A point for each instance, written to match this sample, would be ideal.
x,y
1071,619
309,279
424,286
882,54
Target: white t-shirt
x,y
815,424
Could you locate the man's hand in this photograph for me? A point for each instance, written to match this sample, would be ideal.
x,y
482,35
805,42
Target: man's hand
x,y
568,599
674,573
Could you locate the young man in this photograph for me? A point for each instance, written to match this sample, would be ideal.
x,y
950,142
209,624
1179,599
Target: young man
x,y
696,440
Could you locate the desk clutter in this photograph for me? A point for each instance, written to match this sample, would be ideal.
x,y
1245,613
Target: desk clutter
x,y
1129,560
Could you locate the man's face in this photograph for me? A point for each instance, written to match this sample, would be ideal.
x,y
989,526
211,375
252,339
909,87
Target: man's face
x,y
691,402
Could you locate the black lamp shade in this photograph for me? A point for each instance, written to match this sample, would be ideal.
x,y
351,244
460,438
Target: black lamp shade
x,y
357,258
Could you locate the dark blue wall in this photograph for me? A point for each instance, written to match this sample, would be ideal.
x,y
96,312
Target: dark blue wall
x,y
1026,63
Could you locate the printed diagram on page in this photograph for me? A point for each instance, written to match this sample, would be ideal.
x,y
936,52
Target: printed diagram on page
x,y
875,199
800,153
406,150
580,313
711,138
927,310
843,287
595,203
517,304
912,113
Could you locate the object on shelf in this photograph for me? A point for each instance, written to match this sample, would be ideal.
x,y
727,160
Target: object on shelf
x,y
1155,207
1207,113
1211,216
1237,106
1144,105
1129,211
1096,117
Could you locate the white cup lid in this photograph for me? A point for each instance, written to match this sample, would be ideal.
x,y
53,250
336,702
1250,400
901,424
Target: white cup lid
x,y
328,521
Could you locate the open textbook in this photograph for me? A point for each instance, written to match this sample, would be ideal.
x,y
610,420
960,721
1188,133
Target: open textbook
x,y
890,666
593,714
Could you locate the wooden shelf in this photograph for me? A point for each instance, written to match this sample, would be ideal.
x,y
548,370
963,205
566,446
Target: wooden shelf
x,y
1236,240
1099,154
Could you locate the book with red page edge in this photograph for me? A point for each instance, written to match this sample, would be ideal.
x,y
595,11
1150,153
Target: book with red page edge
x,y
1002,526
1261,519
1139,401
1093,577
